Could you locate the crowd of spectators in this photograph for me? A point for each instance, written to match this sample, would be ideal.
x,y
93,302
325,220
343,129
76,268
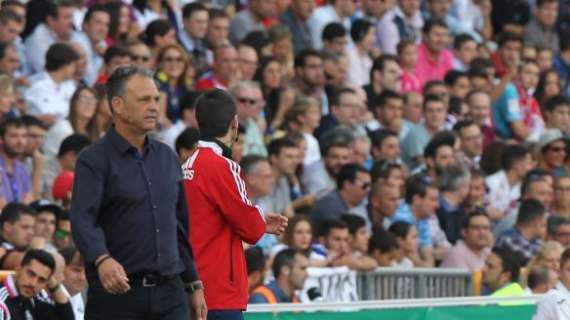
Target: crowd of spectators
x,y
392,133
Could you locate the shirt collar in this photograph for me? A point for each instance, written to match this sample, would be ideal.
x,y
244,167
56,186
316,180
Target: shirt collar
x,y
122,144
10,285
217,146
562,288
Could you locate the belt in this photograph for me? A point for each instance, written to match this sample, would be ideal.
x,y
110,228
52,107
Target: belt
x,y
149,279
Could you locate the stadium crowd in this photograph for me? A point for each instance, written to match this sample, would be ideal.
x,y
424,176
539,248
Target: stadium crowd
x,y
393,133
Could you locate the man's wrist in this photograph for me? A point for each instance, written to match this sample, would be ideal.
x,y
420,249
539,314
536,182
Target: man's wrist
x,y
101,259
192,287
54,288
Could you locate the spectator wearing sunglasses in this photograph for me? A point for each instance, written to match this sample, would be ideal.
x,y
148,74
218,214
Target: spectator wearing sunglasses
x,y
249,102
553,152
353,185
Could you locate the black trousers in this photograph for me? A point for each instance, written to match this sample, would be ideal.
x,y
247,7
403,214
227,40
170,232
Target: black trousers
x,y
167,301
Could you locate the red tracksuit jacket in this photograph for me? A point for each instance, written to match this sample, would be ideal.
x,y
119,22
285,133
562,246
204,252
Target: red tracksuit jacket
x,y
221,218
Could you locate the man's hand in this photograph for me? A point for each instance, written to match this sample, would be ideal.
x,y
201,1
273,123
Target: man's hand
x,y
113,276
198,305
275,223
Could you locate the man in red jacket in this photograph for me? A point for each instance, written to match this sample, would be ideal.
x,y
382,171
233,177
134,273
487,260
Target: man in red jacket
x,y
221,213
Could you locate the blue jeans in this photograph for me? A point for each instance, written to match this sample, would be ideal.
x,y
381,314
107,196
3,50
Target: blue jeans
x,y
225,315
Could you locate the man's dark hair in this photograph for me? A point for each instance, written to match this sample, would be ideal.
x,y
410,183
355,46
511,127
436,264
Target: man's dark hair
x,y
430,98
12,3
452,76
337,137
248,163
215,110
13,211
31,121
383,241
444,138
275,146
74,143
41,256
3,47
513,154
383,169
380,63
538,275
466,221
534,175
285,258
69,253
565,257
255,260
540,3
63,216
377,137
216,13
53,6
329,224
92,10
158,27
335,99
462,124
187,139
511,261
556,101
189,9
417,186
115,51
381,100
430,84
303,55
554,222
432,23
506,37
461,39
353,222
333,30
348,173
7,15
188,102
360,29
60,55
400,229
117,82
10,123
530,211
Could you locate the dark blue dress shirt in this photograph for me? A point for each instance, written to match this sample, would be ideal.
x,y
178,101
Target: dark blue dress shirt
x,y
131,206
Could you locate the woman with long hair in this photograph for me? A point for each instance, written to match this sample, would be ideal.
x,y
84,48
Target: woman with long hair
x,y
299,235
159,34
81,119
172,66
549,85
278,97
147,11
121,28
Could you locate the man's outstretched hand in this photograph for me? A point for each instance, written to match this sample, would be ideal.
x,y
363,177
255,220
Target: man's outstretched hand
x,y
275,223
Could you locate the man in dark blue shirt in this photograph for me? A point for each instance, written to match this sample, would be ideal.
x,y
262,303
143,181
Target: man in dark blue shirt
x,y
129,216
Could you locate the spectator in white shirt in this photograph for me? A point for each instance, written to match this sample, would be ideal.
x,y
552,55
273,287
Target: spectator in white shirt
x,y
555,304
58,27
336,11
403,22
95,30
505,185
49,97
75,280
360,62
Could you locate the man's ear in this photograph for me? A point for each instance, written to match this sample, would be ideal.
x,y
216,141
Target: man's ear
x,y
117,104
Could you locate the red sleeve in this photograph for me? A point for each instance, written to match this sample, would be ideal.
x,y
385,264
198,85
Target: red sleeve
x,y
227,188
204,85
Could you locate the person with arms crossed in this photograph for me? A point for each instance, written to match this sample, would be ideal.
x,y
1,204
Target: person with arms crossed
x,y
128,214
223,217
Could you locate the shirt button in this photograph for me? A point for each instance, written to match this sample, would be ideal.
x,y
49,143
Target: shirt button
x,y
157,230
150,183
154,206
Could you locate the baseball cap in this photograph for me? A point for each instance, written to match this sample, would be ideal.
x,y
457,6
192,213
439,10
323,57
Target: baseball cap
x,y
62,184
46,205
549,136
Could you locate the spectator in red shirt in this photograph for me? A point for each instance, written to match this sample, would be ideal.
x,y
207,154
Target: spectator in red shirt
x,y
434,60
226,69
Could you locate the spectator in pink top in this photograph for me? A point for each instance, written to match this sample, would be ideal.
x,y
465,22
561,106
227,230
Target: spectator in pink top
x,y
434,59
408,57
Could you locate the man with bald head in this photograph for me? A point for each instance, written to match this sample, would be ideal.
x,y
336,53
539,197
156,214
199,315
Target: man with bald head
x,y
226,69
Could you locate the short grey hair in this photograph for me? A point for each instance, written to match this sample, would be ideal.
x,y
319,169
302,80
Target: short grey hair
x,y
116,85
453,177
244,84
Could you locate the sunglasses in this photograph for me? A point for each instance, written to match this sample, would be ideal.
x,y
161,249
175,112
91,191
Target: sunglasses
x,y
363,186
557,149
247,101
140,58
62,234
